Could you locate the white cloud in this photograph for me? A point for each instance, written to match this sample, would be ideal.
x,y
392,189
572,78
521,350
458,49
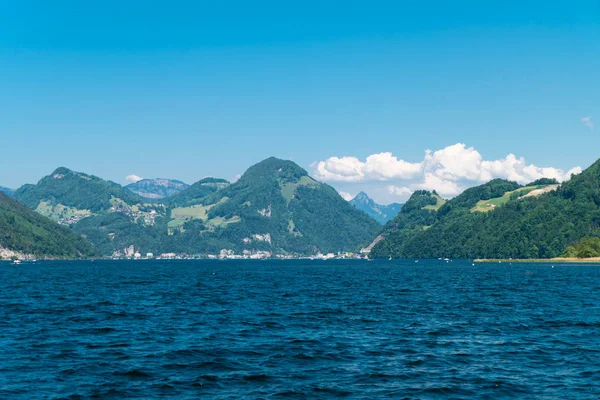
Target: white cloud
x,y
345,195
345,169
133,178
453,163
400,191
448,171
516,169
382,166
587,121
442,186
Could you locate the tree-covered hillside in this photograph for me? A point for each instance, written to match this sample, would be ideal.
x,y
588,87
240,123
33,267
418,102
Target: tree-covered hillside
x,y
22,230
275,206
585,248
76,190
416,215
196,192
518,226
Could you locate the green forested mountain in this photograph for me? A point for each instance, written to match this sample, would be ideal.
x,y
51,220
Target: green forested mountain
x,y
274,207
196,192
416,215
502,219
25,231
157,188
378,212
75,190
95,208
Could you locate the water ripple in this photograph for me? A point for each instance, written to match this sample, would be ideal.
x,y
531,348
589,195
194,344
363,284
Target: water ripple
x,y
296,329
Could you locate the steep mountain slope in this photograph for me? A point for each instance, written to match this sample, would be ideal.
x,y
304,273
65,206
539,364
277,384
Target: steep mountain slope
x,y
517,224
378,212
196,192
6,191
22,230
275,206
418,214
157,188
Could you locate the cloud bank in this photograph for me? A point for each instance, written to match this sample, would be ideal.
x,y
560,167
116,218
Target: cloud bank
x,y
449,171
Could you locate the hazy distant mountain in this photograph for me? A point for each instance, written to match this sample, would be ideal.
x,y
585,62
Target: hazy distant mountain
x,y
157,188
378,212
7,191
24,231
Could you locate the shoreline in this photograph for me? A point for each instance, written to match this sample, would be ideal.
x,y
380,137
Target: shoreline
x,y
539,260
558,260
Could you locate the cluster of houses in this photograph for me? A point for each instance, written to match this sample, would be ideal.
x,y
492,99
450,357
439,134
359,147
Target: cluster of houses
x,y
71,220
228,254
147,217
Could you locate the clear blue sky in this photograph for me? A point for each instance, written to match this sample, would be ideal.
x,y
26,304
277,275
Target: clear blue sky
x,y
190,89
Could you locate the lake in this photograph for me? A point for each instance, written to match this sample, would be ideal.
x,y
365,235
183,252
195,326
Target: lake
x,y
299,329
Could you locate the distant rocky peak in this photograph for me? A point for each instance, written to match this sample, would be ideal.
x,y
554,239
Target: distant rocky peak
x,y
363,197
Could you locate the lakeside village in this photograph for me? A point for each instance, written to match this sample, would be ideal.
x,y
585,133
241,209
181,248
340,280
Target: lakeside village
x,y
130,253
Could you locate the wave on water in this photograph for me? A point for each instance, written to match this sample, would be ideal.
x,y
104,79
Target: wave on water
x,y
291,329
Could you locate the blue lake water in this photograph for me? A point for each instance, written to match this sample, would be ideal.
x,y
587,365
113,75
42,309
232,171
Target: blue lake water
x,y
299,329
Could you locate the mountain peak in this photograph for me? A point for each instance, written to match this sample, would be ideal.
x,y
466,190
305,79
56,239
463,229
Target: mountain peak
x,y
195,193
275,168
157,188
80,191
380,213
210,179
362,196
422,199
276,206
61,171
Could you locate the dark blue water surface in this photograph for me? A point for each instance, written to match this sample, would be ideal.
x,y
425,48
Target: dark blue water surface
x,y
299,329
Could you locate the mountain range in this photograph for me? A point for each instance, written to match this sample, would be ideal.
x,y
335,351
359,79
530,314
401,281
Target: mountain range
x,y
274,208
277,208
378,212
